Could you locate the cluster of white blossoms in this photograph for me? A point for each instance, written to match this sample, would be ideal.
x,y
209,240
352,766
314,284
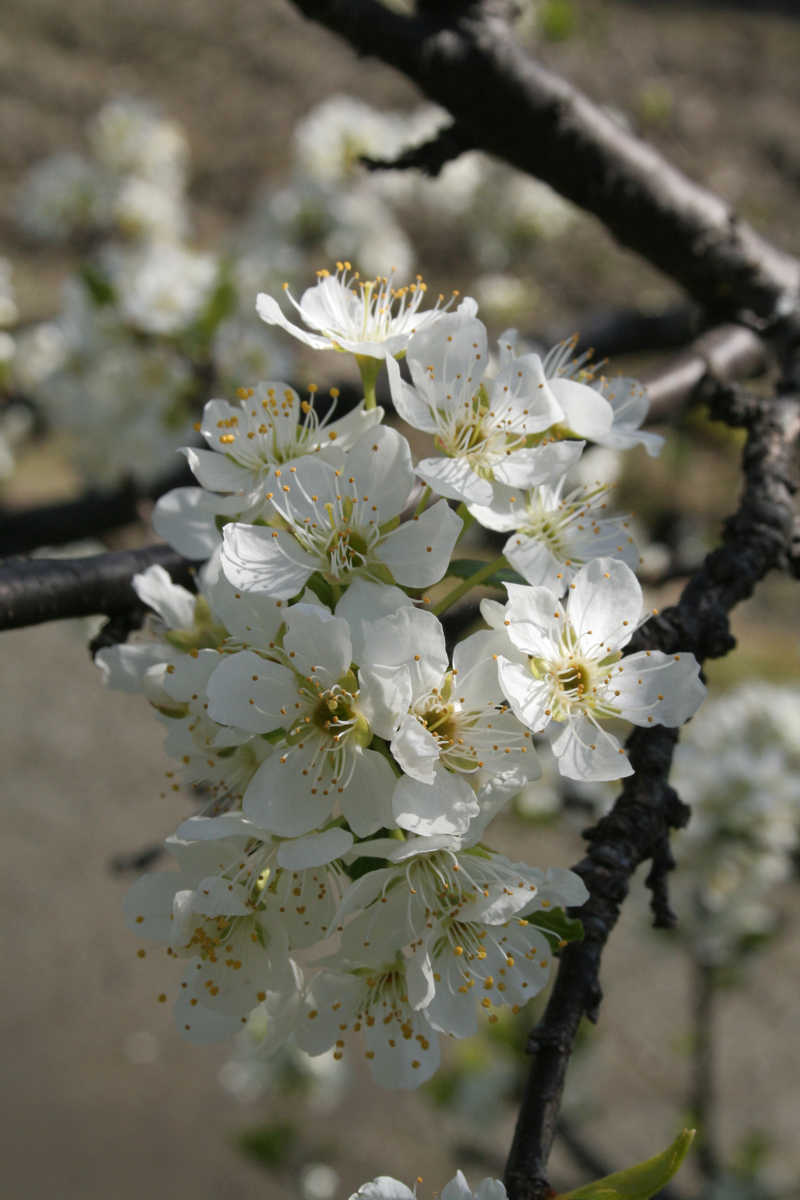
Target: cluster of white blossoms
x,y
739,768
352,762
386,1188
116,369
152,308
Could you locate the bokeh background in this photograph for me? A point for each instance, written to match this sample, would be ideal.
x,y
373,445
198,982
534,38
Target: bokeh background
x,y
101,1100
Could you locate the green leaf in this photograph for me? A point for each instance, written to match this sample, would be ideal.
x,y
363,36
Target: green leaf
x,y
97,285
639,1182
557,927
465,568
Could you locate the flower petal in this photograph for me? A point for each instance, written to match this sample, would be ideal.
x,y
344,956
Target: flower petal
x,y
418,552
185,518
455,478
267,561
604,605
445,806
587,753
658,688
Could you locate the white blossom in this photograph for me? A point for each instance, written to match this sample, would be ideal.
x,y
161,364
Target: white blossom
x,y
487,430
462,752
555,535
210,913
309,701
371,988
371,318
576,675
340,521
615,424
270,427
386,1188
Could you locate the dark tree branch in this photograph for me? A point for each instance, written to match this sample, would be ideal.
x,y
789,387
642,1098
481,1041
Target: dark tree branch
x,y
430,157
91,515
629,331
724,354
507,104
48,589
757,538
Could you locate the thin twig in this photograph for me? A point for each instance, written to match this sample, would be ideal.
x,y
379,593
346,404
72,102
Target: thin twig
x,y
538,122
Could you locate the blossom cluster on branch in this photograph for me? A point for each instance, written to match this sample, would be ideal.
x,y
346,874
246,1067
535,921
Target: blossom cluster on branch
x,y
354,765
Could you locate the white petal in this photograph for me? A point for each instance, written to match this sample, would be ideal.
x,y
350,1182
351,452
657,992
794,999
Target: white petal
x,y
522,394
537,564
457,1189
385,697
412,638
174,604
587,753
445,806
363,604
281,1006
455,345
455,478
658,689
535,618
367,800
280,797
151,897
270,311
125,666
380,461
199,1025
318,642
528,697
416,750
185,519
245,677
418,552
413,409
217,472
586,413
604,605
264,560
315,849
187,677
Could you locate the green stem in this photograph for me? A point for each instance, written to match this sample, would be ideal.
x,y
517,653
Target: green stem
x,y
467,517
427,492
465,585
370,369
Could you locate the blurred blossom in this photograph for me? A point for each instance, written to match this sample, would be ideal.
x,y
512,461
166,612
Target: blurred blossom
x,y
337,133
129,137
162,289
244,350
61,196
8,308
143,209
318,1182
739,769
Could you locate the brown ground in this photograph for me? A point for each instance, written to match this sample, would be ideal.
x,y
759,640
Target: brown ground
x,y
82,769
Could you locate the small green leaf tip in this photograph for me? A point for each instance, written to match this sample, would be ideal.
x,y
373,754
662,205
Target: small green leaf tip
x,y
639,1182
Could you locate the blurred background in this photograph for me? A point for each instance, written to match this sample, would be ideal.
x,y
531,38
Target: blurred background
x,y
159,165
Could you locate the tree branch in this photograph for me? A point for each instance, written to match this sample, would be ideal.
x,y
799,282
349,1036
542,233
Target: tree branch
x,y
757,538
725,354
49,589
534,120
91,515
